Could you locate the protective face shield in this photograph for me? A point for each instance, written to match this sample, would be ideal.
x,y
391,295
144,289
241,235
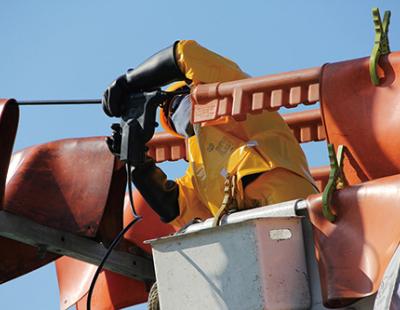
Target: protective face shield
x,y
176,114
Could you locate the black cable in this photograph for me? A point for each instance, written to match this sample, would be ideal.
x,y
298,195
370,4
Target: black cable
x,y
114,242
100,267
128,172
59,102
193,221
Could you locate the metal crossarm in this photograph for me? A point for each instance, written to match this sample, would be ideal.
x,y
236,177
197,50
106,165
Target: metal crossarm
x,y
49,239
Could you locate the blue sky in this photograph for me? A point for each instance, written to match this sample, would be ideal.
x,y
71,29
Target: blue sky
x,y
74,49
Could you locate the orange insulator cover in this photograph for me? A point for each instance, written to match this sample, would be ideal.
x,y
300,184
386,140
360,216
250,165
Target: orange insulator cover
x,y
354,251
306,126
321,176
73,185
363,117
166,147
15,258
62,184
253,95
112,291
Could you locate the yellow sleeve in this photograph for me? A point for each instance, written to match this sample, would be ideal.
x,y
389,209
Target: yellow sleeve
x,y
190,206
275,186
204,66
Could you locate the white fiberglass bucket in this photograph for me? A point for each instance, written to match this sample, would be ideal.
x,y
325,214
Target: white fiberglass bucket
x,y
252,264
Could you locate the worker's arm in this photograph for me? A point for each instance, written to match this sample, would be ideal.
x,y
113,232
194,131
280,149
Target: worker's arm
x,y
157,71
159,192
184,60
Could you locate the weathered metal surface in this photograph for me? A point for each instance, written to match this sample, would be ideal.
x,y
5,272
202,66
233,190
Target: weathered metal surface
x,y
60,242
354,251
363,117
253,95
17,259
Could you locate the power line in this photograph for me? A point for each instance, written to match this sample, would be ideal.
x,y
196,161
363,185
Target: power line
x,y
59,102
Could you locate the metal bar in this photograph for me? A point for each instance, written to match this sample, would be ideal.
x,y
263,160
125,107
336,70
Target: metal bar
x,y
60,102
64,243
284,209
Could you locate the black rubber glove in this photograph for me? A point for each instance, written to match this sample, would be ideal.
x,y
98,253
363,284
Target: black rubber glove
x,y
157,71
159,192
114,142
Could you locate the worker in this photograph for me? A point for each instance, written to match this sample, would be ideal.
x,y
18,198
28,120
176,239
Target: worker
x,y
259,157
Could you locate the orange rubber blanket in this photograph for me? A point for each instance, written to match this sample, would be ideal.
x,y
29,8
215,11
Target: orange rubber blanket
x,y
354,251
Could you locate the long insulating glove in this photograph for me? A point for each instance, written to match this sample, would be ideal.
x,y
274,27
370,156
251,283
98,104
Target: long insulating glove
x,y
159,192
160,69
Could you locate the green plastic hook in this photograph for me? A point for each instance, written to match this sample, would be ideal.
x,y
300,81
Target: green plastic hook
x,y
381,42
336,180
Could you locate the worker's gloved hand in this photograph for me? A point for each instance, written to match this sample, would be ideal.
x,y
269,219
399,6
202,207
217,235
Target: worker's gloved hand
x,y
114,142
115,96
157,71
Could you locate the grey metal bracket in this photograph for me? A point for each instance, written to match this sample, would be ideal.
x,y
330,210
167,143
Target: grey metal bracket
x,y
52,240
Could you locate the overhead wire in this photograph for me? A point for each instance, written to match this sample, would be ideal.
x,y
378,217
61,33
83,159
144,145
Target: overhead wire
x,y
59,102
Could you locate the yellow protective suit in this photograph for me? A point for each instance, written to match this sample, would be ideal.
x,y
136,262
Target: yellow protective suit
x,y
262,144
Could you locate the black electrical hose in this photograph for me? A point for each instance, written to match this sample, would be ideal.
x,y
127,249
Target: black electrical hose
x,y
128,173
115,241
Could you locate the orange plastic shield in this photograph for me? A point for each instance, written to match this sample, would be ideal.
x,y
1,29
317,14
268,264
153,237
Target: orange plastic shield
x,y
112,291
363,117
73,185
354,251
16,258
